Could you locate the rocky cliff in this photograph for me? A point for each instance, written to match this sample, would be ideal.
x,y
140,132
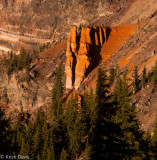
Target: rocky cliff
x,y
29,22
89,46
83,52
27,91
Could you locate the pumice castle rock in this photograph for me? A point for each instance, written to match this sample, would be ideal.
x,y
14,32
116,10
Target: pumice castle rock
x,y
78,79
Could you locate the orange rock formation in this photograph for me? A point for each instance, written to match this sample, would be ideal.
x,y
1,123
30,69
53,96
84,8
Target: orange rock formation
x,y
83,53
86,49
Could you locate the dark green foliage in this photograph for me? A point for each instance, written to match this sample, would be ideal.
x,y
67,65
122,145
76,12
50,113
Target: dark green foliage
x,y
100,139
17,62
64,155
29,134
91,106
4,133
77,120
57,94
112,75
126,118
39,133
70,119
154,78
144,77
136,80
146,147
57,125
18,135
154,142
24,148
51,153
40,118
99,126
23,60
44,46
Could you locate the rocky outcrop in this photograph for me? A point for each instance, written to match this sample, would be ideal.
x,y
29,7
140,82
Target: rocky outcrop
x,y
90,46
83,52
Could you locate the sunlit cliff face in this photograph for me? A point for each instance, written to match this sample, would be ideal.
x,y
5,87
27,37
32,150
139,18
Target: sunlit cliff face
x,y
90,46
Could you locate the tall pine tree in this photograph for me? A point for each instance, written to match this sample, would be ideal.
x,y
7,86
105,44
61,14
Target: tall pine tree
x,y
144,77
136,80
154,78
57,94
154,142
100,139
127,120
5,132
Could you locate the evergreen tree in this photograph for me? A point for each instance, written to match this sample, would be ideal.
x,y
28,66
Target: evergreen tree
x,y
77,120
29,134
96,135
112,75
39,134
24,148
154,142
70,119
58,137
91,106
23,60
146,147
40,119
126,118
136,80
154,78
5,132
100,140
38,143
64,155
51,153
144,77
18,134
47,142
58,129
57,94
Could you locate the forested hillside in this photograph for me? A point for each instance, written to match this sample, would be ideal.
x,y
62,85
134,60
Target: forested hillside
x,y
103,125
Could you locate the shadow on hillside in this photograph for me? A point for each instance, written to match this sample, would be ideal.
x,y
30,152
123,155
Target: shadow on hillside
x,y
95,49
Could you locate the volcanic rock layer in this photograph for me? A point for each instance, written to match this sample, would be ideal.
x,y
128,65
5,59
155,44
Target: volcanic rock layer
x,y
88,46
83,52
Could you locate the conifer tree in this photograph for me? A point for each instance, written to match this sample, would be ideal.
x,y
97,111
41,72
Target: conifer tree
x,y
112,75
5,132
38,143
96,136
64,155
40,119
91,106
144,76
154,142
38,133
57,94
70,119
58,136
57,122
51,153
29,133
126,118
154,78
18,134
47,142
24,147
136,80
100,140
146,147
